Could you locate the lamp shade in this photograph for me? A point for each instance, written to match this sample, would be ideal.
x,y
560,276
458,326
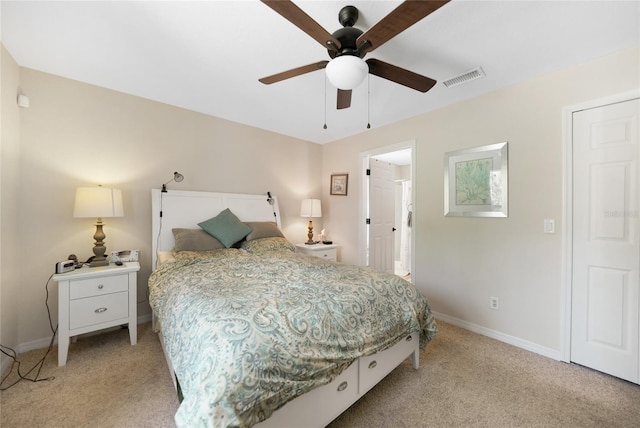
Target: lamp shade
x,y
98,202
346,71
311,208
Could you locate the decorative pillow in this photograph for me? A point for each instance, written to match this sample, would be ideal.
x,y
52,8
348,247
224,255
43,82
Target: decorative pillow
x,y
194,240
226,228
268,244
263,229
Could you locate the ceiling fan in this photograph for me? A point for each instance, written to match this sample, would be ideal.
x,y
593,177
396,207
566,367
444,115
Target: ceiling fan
x,y
348,45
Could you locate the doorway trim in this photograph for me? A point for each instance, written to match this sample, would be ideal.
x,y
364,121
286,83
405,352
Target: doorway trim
x,y
364,197
567,217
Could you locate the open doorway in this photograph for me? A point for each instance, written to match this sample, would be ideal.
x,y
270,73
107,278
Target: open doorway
x,y
400,158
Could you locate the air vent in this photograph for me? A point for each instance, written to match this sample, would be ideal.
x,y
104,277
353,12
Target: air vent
x,y
474,74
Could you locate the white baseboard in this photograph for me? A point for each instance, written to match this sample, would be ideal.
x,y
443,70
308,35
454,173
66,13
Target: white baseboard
x,y
35,344
511,340
44,342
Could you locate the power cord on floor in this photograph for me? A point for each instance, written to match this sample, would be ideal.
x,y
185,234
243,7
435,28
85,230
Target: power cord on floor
x,y
13,355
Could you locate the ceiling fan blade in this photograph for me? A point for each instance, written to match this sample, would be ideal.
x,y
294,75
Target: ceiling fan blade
x,y
344,99
400,75
398,20
293,72
292,13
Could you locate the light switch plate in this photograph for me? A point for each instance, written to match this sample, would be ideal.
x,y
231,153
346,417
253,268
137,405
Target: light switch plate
x,y
549,225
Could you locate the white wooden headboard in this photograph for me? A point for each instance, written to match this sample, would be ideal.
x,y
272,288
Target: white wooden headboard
x,y
185,209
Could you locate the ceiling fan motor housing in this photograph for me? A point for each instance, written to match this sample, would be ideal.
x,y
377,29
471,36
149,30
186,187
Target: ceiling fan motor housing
x,y
347,35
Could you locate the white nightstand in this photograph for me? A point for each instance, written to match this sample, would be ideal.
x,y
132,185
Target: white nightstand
x,y
91,299
327,252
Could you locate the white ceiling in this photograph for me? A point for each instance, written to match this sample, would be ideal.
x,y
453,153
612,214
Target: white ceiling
x,y
207,56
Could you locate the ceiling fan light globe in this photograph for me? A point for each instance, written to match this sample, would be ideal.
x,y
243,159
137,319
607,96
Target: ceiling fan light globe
x,y
346,72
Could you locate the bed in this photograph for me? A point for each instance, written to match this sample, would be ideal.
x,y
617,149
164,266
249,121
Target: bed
x,y
257,334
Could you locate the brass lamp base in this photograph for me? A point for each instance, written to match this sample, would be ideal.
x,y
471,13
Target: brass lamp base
x,y
97,263
310,234
98,247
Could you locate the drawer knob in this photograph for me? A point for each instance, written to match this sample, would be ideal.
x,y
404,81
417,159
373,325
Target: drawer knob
x,y
343,386
100,287
409,338
100,310
373,364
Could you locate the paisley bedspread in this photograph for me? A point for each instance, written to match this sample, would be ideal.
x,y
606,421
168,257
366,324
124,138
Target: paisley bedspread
x,y
250,329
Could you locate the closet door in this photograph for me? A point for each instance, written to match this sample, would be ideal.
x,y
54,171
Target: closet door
x,y
605,330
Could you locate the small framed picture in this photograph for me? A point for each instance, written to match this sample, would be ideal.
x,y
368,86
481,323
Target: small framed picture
x,y
339,184
476,182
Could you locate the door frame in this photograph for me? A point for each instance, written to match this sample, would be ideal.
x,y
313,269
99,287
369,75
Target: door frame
x,y
364,198
567,217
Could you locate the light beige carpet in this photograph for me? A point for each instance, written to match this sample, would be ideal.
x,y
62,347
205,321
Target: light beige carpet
x,y
106,383
465,380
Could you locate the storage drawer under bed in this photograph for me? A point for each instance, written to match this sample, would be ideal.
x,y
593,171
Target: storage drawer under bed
x,y
375,367
345,390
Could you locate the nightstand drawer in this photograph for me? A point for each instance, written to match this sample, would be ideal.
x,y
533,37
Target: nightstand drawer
x,y
99,309
327,254
98,286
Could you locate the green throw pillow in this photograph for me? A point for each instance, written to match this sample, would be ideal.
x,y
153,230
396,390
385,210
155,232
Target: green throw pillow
x,y
226,228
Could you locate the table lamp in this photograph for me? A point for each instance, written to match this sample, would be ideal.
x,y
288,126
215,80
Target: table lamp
x,y
98,202
310,208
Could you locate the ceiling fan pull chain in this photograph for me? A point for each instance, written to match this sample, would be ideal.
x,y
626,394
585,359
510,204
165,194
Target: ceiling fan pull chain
x,y
368,101
325,102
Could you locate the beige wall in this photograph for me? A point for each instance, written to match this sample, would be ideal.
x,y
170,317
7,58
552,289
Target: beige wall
x,y
76,134
461,262
9,238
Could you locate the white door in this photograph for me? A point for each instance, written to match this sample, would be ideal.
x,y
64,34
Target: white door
x,y
605,330
406,218
381,215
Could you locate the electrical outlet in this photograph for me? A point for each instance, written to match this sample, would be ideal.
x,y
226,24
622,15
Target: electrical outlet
x,y
494,303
